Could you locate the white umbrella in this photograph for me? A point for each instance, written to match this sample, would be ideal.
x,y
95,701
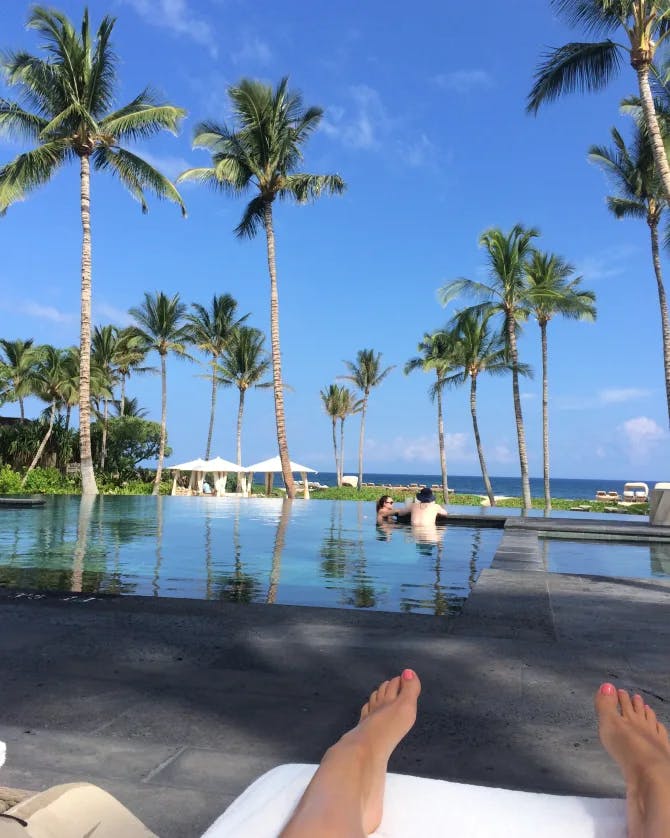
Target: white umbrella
x,y
197,468
220,468
192,465
273,465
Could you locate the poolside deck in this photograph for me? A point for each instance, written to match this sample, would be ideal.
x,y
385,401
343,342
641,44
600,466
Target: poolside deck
x,y
174,706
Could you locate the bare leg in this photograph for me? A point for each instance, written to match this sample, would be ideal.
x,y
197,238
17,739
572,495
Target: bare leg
x,y
638,743
346,795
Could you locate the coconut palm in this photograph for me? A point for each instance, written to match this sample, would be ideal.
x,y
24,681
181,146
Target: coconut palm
x,y
211,330
70,92
19,359
348,405
49,381
505,294
128,358
161,326
436,355
553,289
592,65
104,343
263,152
330,397
641,195
365,372
244,362
131,410
478,349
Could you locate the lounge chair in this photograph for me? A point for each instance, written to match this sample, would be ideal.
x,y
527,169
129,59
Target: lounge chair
x,y
602,495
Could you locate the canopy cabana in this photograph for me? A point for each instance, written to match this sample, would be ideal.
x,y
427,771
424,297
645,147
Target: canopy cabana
x,y
273,466
217,466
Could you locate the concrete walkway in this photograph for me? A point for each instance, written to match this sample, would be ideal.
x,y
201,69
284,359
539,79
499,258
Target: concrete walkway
x,y
175,706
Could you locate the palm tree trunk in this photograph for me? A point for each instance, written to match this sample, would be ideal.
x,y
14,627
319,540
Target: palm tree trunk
x,y
337,462
641,66
23,415
663,304
122,405
277,384
545,420
478,441
88,484
280,539
240,411
518,415
360,442
43,444
68,410
341,471
212,410
103,447
440,438
161,447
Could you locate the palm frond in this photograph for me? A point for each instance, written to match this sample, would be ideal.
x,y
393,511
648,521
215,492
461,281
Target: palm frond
x,y
142,118
17,122
253,218
597,16
456,287
29,170
306,187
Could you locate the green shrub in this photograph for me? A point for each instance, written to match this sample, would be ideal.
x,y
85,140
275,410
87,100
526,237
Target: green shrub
x,y
10,481
48,481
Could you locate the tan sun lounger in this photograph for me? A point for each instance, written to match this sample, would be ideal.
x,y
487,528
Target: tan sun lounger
x,y
73,810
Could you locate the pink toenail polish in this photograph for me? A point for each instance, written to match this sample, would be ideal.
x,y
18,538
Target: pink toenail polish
x,y
608,689
407,674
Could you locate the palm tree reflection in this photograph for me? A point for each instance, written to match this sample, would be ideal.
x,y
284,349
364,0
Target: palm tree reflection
x,y
280,538
239,586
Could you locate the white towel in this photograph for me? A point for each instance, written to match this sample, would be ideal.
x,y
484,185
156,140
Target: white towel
x,y
3,753
424,808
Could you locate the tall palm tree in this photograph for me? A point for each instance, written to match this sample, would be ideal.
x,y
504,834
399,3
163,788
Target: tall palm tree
x,y
348,405
330,397
70,92
161,325
641,195
211,330
365,372
50,379
553,289
592,65
244,362
104,344
262,152
19,359
476,350
437,356
505,294
129,356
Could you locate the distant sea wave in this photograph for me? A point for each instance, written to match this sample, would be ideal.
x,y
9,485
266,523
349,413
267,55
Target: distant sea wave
x,y
561,487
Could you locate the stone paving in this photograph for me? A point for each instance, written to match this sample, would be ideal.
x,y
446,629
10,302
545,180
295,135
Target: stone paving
x,y
175,706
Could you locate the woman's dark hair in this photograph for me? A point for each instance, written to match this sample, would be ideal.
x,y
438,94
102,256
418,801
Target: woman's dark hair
x,y
382,500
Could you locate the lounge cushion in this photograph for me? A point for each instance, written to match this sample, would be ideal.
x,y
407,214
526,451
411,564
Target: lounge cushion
x,y
421,808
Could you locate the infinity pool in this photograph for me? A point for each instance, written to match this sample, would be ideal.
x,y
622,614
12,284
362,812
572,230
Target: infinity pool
x,y
324,553
623,559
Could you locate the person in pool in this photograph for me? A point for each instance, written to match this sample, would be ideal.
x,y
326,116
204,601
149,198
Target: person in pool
x,y
424,512
346,794
385,508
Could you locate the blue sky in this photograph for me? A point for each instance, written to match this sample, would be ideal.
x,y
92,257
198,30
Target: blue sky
x,y
424,119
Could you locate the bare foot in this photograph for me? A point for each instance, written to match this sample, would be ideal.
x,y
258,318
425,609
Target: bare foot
x,y
386,718
638,743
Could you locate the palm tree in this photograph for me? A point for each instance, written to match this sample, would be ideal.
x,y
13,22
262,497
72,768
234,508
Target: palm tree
x,y
244,362
476,350
128,358
71,92
506,255
553,289
365,373
591,66
104,343
263,152
211,330
132,409
18,359
641,195
162,328
436,354
348,405
330,397
50,379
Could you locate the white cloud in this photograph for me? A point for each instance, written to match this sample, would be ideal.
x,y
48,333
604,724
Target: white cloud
x,y
179,18
502,453
253,50
642,434
607,265
363,124
418,153
42,312
424,449
106,312
464,81
617,395
527,397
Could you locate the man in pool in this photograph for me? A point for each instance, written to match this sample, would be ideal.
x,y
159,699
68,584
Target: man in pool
x,y
425,510
346,795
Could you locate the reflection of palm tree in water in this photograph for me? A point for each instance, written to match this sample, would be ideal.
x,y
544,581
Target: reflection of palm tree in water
x,y
241,586
159,545
280,538
208,557
474,555
363,594
335,549
86,505
440,599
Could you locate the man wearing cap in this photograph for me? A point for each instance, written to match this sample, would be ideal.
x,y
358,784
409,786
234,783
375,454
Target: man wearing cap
x,y
425,511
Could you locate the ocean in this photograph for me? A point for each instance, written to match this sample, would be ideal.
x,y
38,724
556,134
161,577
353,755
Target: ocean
x,y
561,487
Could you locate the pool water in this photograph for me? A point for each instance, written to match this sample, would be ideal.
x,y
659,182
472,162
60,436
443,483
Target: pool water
x,y
607,558
323,553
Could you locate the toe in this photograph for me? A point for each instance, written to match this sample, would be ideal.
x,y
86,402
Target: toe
x,y
381,690
627,710
365,710
650,716
606,702
638,705
372,701
393,688
410,685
